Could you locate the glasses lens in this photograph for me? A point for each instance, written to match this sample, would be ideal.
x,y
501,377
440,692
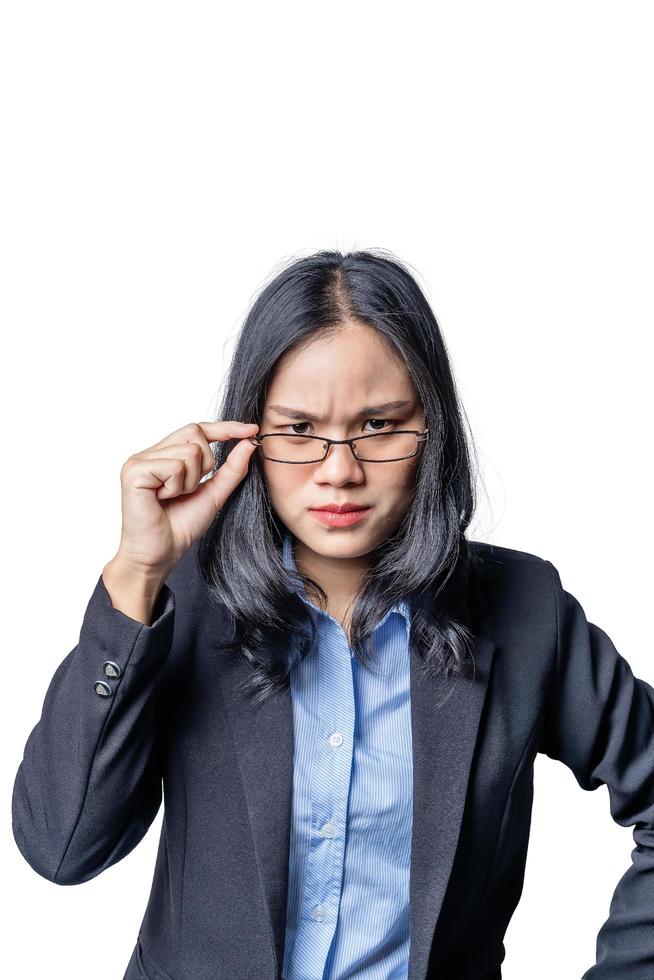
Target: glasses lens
x,y
377,448
293,449
387,445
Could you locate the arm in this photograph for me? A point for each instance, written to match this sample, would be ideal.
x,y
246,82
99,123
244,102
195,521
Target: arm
x,y
600,723
89,784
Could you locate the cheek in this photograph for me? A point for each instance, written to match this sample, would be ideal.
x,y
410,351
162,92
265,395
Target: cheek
x,y
282,479
399,479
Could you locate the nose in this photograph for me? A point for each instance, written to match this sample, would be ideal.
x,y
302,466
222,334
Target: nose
x,y
340,462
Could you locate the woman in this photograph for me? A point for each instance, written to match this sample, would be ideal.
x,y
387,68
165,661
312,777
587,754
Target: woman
x,y
342,695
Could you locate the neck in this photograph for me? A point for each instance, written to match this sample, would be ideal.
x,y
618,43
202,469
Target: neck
x,y
341,578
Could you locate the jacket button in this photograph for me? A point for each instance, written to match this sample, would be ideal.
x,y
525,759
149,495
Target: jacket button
x,y
101,687
111,669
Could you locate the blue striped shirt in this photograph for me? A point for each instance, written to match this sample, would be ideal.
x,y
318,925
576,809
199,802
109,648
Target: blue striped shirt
x,y
350,844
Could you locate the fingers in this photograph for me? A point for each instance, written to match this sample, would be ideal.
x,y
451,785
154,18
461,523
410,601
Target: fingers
x,y
205,432
191,444
183,465
233,470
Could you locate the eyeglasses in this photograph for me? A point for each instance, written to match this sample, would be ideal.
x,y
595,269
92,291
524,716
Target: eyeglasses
x,y
379,447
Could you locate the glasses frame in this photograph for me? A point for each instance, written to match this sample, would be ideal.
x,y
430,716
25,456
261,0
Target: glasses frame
x,y
421,436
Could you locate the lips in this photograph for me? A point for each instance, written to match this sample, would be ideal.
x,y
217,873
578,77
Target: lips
x,y
341,508
335,518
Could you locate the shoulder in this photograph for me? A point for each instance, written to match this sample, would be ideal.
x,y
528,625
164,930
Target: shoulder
x,y
195,601
513,562
501,554
498,562
186,575
513,584
190,592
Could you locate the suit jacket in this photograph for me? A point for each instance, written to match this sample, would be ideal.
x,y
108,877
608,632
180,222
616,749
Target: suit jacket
x,y
546,680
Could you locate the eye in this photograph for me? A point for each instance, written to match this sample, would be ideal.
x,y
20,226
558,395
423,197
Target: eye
x,y
389,421
385,421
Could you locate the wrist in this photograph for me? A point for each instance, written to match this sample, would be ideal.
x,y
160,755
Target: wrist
x,y
133,591
147,581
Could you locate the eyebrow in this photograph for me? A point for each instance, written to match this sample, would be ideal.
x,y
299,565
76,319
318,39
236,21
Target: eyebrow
x,y
298,413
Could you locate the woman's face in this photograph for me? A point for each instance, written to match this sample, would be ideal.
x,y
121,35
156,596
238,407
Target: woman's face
x,y
335,378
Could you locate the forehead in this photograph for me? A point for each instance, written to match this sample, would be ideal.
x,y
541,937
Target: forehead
x,y
355,364
379,408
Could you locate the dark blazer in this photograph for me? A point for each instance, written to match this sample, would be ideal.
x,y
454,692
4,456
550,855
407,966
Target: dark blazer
x,y
546,680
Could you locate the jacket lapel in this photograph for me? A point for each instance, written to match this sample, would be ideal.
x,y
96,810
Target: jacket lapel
x,y
445,716
263,739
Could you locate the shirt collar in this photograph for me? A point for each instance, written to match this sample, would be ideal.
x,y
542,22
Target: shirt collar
x,y
402,606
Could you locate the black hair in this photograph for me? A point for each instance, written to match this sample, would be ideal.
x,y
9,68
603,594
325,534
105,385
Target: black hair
x,y
427,560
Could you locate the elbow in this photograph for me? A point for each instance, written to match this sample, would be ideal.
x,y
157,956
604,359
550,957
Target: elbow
x,y
34,856
42,859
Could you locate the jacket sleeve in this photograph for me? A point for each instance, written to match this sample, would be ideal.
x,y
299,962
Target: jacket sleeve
x,y
600,723
89,784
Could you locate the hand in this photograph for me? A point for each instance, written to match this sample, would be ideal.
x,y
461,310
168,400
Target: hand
x,y
165,508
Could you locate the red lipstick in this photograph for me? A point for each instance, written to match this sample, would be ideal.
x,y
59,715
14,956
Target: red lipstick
x,y
341,508
339,515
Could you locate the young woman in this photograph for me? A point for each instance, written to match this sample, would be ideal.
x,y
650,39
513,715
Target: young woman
x,y
340,694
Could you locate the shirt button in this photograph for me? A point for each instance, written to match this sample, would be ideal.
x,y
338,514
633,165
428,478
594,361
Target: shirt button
x,y
102,688
111,669
328,830
336,739
319,913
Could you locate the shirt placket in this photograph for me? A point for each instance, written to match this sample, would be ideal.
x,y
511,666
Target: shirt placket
x,y
330,788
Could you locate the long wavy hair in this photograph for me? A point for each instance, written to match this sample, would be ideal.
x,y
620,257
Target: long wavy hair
x,y
427,560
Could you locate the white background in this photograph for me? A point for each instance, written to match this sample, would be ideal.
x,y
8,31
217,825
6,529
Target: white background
x,y
161,161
